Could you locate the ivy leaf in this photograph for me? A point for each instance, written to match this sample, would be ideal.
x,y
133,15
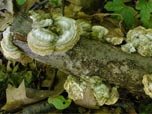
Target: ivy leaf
x,y
145,8
60,102
20,2
127,12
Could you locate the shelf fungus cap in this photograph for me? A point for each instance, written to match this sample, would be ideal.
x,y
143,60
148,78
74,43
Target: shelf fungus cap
x,y
115,36
98,32
85,27
10,51
40,19
139,39
135,33
70,34
147,82
115,40
41,41
92,88
61,36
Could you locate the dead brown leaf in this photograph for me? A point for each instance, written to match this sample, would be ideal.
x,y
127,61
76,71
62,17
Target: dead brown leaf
x,y
5,20
21,96
71,10
30,3
16,97
8,5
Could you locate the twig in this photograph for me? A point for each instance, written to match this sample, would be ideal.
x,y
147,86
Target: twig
x,y
63,7
39,5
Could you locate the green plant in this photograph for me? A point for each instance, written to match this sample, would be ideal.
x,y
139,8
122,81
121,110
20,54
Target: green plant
x,y
60,102
128,13
145,8
20,2
56,2
141,9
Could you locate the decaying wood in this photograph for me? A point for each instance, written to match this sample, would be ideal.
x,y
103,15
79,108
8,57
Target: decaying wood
x,y
91,57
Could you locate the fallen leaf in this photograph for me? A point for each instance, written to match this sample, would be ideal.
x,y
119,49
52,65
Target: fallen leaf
x,y
50,75
21,96
57,88
72,10
8,5
16,97
60,102
5,20
91,103
115,27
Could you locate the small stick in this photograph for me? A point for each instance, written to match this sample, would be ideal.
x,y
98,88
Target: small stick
x,y
63,7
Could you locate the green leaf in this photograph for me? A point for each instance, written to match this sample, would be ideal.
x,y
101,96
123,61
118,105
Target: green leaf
x,y
127,12
16,67
145,108
17,77
145,8
60,102
56,2
20,2
3,76
115,5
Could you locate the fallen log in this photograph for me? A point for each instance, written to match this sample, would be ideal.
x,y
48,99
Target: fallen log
x,y
91,57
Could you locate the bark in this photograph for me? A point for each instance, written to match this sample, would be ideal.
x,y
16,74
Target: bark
x,y
91,57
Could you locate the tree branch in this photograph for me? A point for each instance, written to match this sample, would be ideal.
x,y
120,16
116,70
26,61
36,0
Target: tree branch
x,y
90,57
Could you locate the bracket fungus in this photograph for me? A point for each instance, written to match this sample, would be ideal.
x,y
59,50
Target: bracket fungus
x,y
40,19
92,88
99,32
115,40
85,27
147,82
139,39
10,51
103,34
52,35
